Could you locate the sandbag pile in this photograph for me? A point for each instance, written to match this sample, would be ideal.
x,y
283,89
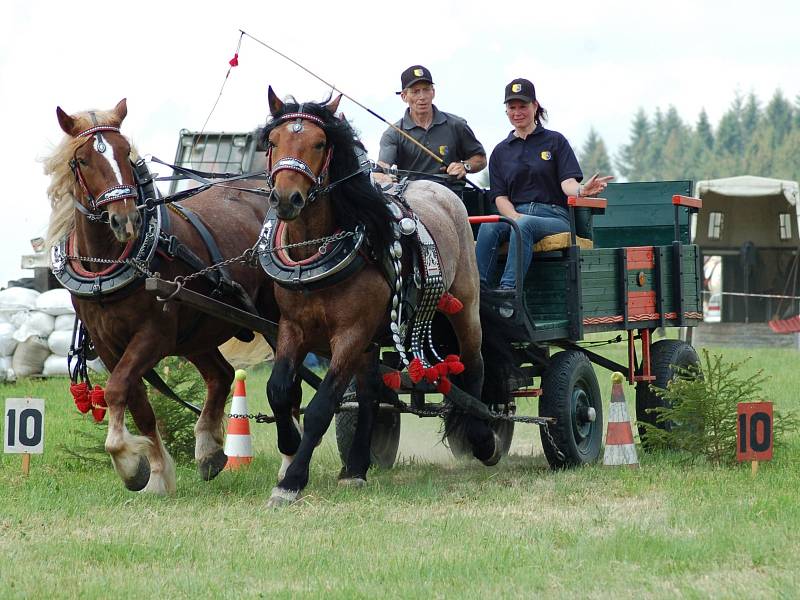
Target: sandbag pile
x,y
35,332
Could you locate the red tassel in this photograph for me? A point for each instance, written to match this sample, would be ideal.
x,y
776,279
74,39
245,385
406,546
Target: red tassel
x,y
449,304
415,370
80,394
431,375
98,398
234,62
443,369
444,386
392,380
454,364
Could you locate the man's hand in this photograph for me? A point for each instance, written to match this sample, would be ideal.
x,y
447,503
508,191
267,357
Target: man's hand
x,y
457,170
384,178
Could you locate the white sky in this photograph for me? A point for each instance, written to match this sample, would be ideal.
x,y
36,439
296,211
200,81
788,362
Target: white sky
x,y
593,64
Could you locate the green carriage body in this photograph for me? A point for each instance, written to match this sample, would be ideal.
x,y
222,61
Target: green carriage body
x,y
636,276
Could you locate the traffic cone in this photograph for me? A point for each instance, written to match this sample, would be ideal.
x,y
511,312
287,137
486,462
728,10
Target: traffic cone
x,y
238,444
620,449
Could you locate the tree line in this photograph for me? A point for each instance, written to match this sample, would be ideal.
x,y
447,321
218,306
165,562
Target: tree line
x,y
750,139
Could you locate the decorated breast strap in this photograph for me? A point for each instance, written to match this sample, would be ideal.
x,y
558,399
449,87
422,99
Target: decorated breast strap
x,y
414,303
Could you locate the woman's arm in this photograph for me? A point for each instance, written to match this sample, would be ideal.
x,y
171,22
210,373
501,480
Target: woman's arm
x,y
595,185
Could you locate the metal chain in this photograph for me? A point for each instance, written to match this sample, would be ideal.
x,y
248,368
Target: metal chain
x,y
108,261
559,454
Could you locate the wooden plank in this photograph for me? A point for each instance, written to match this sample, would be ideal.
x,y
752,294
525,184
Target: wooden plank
x,y
212,307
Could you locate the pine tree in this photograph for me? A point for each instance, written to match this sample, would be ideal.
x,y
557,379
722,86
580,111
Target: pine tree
x,y
594,156
779,117
703,132
750,119
631,159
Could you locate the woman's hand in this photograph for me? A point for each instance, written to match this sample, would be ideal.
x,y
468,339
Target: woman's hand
x,y
595,185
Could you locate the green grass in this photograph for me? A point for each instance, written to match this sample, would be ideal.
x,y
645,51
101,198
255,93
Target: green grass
x,y
429,528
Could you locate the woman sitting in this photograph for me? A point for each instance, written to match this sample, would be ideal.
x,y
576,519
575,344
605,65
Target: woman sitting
x,y
531,173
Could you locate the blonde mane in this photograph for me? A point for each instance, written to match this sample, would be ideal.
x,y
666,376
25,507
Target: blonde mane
x,y
63,188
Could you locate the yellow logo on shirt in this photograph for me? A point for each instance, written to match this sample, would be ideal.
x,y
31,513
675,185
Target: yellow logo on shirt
x,y
442,150
417,72
546,155
516,87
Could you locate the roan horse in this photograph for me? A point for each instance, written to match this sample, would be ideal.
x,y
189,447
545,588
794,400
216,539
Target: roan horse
x,y
319,190
93,172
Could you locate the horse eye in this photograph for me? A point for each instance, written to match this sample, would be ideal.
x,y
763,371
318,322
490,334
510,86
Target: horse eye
x,y
82,162
320,146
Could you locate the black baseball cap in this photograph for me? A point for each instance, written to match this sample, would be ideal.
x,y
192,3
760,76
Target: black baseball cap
x,y
520,89
414,74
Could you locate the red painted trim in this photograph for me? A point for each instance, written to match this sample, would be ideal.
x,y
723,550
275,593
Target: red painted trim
x,y
485,219
640,302
640,258
587,202
530,393
687,201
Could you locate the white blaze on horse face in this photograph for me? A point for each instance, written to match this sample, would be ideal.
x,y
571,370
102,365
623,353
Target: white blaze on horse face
x,y
106,151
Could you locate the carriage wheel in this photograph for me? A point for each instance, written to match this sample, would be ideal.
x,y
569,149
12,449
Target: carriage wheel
x,y
571,394
461,448
663,355
385,436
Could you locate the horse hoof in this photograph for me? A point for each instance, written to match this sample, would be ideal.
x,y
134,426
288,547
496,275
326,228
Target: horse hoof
x,y
281,498
352,482
497,454
141,477
210,466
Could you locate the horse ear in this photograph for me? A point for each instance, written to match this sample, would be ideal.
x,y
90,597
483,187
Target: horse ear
x,y
333,105
67,123
121,109
275,104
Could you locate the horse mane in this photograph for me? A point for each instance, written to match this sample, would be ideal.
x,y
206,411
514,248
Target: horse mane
x,y
63,189
357,200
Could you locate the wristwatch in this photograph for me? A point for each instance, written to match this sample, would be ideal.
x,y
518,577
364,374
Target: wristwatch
x,y
467,166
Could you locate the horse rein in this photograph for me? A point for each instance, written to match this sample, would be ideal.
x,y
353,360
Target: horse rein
x,y
107,196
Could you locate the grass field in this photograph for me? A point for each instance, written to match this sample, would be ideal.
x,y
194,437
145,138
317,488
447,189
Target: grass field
x,y
429,528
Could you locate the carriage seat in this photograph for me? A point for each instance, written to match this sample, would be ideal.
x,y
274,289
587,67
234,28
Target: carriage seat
x,y
561,241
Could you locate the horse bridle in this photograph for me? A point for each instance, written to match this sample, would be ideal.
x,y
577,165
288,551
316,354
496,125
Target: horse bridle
x,y
109,195
293,163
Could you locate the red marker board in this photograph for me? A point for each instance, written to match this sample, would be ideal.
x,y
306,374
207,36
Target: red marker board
x,y
754,431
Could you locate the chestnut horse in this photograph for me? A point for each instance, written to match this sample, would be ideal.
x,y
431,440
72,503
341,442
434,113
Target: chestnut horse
x,y
319,189
93,173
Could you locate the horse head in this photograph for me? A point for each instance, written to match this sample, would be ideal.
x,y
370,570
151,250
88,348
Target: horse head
x,y
299,154
102,167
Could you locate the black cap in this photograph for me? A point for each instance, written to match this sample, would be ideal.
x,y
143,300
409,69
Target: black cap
x,y
520,89
414,74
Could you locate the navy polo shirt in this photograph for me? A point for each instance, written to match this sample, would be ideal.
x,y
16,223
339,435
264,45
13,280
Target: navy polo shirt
x,y
531,170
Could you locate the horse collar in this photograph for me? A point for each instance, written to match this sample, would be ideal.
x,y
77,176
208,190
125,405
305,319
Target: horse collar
x,y
337,260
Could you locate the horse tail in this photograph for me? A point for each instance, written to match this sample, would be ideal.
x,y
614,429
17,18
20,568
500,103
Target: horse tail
x,y
246,354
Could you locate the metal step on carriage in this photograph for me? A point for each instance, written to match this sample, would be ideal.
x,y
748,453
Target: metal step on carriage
x,y
625,267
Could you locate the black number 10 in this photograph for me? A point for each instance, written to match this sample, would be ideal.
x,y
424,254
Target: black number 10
x,y
752,439
24,438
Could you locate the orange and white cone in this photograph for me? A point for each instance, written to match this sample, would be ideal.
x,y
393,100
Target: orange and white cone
x,y
238,444
620,449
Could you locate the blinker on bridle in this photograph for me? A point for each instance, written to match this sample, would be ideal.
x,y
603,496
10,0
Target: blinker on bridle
x,y
293,163
109,195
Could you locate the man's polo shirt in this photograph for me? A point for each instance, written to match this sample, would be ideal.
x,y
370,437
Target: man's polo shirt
x,y
531,170
449,137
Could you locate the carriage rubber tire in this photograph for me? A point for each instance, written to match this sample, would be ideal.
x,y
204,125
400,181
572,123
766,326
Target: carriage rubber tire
x,y
663,355
568,385
460,447
385,436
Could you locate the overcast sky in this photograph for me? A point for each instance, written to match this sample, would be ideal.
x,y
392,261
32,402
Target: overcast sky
x,y
593,64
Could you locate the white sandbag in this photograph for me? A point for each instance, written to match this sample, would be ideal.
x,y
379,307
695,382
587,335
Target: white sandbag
x,y
29,356
17,297
7,342
64,323
55,302
5,363
96,365
32,322
59,342
55,366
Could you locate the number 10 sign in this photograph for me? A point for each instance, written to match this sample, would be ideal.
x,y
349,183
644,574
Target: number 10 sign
x,y
24,426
